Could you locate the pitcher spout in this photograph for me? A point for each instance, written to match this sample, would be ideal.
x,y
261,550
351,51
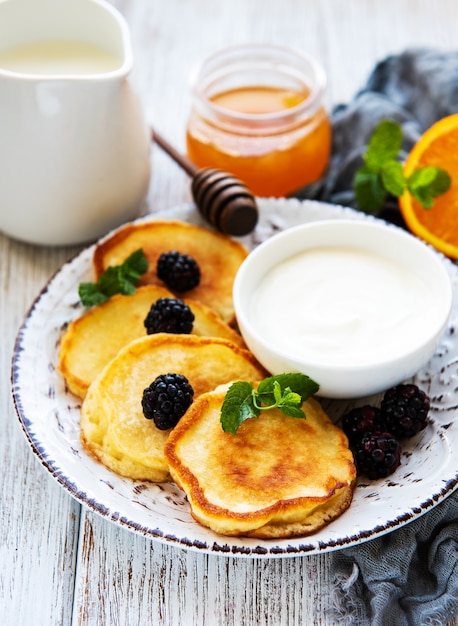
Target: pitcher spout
x,y
63,38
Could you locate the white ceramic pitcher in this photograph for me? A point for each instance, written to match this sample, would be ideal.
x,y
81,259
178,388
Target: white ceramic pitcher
x,y
74,146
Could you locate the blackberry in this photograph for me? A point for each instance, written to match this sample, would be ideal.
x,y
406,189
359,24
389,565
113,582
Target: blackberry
x,y
377,455
169,315
405,410
167,399
179,272
361,420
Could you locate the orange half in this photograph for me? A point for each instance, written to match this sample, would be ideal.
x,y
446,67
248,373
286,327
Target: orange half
x,y
438,226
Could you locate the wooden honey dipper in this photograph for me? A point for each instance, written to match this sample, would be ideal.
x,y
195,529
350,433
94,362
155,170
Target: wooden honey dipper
x,y
223,200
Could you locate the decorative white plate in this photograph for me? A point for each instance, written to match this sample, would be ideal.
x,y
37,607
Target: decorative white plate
x,y
49,416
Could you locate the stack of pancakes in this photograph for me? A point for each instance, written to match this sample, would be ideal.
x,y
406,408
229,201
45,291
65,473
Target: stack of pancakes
x,y
277,477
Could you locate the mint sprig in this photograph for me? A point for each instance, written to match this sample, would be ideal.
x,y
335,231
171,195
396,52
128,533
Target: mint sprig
x,y
382,174
115,279
285,392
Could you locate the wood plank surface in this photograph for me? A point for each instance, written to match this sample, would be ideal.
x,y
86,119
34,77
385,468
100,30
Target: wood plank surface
x,y
61,564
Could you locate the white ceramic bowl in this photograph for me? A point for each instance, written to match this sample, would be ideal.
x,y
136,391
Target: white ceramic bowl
x,y
401,284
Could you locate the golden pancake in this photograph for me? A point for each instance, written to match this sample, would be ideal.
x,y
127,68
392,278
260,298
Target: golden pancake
x,y
277,477
93,339
218,256
113,427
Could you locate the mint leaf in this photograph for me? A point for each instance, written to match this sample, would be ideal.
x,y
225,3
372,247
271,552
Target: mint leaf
x,y
422,177
290,398
286,392
115,279
237,406
90,295
427,183
393,178
247,409
112,281
381,173
384,144
296,382
370,193
134,266
441,183
423,196
293,411
435,178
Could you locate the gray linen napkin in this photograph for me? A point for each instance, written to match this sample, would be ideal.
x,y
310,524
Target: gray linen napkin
x,y
415,88
409,576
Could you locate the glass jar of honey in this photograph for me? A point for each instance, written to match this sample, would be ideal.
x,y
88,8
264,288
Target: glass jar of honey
x,y
258,113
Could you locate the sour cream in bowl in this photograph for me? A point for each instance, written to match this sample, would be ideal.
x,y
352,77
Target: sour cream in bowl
x,y
359,306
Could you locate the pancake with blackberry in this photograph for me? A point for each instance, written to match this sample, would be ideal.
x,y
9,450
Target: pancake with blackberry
x,y
93,339
217,257
277,477
114,428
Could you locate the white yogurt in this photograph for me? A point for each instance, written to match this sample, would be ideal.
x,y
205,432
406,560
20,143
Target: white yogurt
x,y
342,306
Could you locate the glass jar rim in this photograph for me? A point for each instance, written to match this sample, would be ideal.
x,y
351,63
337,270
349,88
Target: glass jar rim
x,y
235,56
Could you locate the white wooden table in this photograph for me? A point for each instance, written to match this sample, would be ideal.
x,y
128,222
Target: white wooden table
x,y
61,564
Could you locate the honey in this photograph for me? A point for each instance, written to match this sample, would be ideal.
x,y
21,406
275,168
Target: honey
x,y
259,100
261,120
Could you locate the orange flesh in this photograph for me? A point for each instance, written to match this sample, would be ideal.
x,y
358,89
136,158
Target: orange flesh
x,y
275,165
438,225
